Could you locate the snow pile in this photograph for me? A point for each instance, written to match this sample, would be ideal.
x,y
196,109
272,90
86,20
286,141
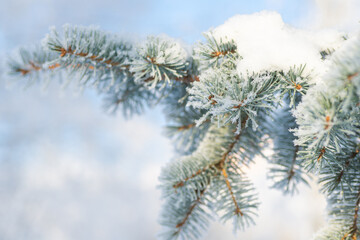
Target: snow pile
x,y
266,43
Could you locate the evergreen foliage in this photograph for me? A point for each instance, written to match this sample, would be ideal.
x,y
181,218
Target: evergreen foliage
x,y
221,118
328,133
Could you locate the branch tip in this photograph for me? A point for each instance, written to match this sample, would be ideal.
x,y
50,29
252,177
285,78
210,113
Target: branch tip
x,y
322,152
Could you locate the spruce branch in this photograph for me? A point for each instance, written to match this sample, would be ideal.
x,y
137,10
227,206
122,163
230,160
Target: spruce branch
x,y
186,127
90,45
160,59
295,84
29,63
130,97
286,170
190,211
185,218
235,199
221,117
340,173
216,52
354,229
344,209
63,52
227,96
181,119
328,131
228,185
219,165
197,172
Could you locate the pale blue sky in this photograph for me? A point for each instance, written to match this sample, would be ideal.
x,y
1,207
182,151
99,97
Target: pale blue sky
x,y
24,21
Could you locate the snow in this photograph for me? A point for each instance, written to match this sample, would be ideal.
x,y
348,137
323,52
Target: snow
x,y
266,43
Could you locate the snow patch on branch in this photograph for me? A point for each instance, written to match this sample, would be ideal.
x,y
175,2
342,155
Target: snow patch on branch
x,y
266,43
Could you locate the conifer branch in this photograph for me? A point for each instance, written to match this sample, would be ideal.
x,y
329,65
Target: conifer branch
x,y
222,53
286,170
347,163
198,172
208,172
354,228
32,60
322,152
189,212
291,171
219,165
127,93
95,58
186,127
237,209
185,79
35,67
351,76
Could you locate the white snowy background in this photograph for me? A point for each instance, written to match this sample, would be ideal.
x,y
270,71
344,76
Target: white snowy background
x,y
70,171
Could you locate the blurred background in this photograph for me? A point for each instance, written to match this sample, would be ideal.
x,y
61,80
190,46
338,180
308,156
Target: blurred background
x,y
70,171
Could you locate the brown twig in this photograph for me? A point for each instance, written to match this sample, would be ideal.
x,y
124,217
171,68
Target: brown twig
x,y
70,51
221,53
187,79
221,167
354,228
240,104
322,152
63,51
351,76
35,67
190,125
184,79
218,165
291,171
327,120
182,183
191,209
347,163
353,231
298,86
186,127
226,178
